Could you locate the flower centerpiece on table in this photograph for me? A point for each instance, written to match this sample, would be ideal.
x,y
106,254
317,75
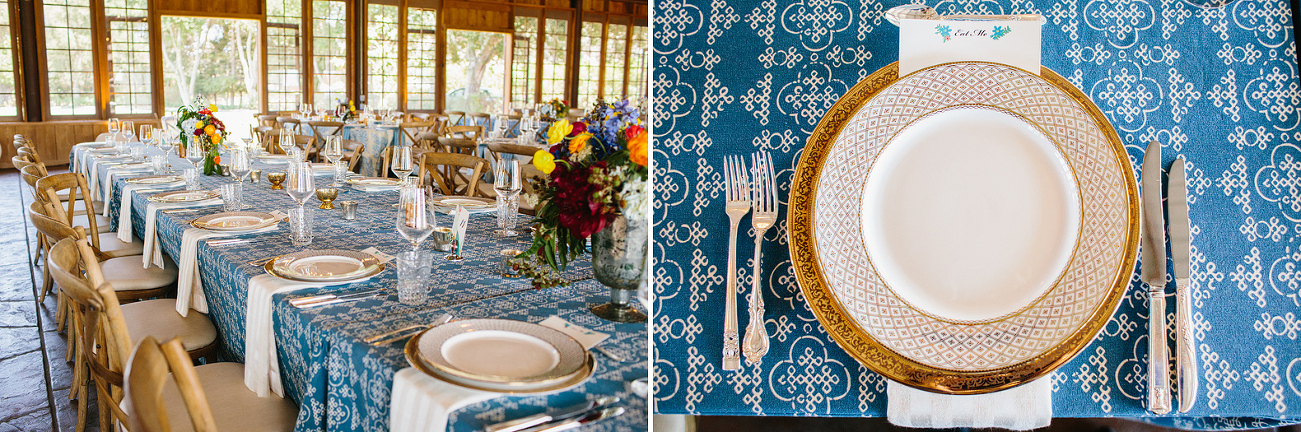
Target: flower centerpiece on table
x,y
556,109
596,172
346,111
200,124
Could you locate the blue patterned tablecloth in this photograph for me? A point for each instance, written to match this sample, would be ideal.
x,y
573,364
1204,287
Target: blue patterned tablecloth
x,y
342,383
1216,86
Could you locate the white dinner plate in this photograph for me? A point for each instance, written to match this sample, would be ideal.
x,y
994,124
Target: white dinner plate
x,y
184,196
375,184
325,265
273,159
503,355
236,221
154,179
472,205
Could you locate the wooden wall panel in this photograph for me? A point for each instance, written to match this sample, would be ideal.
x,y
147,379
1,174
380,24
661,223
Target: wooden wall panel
x,y
478,16
252,9
53,139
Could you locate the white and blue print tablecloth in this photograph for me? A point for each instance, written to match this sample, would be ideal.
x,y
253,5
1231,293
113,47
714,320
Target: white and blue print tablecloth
x,y
1216,86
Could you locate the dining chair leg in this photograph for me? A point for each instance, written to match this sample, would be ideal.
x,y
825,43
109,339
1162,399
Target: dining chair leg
x,y
48,284
105,416
81,414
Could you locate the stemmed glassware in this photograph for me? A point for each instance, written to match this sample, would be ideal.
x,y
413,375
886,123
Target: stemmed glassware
x,y
402,162
290,146
333,152
414,221
165,144
298,182
114,126
507,183
147,135
129,130
191,151
239,163
304,108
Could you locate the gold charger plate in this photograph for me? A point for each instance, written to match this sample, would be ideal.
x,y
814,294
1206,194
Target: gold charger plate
x,y
866,317
412,352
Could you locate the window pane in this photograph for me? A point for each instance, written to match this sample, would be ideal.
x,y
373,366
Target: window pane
x,y
69,59
284,55
523,74
382,56
128,50
553,59
638,79
616,41
329,52
589,64
217,60
8,93
475,71
422,92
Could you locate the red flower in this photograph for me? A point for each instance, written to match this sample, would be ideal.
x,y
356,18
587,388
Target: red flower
x,y
577,212
579,127
632,131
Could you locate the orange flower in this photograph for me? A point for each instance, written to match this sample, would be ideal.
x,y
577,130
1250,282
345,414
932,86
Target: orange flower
x,y
209,129
216,139
638,149
578,143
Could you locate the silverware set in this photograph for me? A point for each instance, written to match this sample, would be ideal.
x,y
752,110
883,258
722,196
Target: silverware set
x,y
754,189
563,419
405,332
329,299
1154,275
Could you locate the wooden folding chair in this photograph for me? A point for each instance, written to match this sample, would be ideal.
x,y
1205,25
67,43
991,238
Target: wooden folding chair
x,y
444,169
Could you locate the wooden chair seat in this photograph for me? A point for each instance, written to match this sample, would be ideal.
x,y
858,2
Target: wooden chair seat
x,y
158,318
211,397
126,274
110,245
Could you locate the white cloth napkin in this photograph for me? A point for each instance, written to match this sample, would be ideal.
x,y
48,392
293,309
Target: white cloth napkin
x,y
124,208
105,191
153,252
421,403
189,286
261,363
1025,407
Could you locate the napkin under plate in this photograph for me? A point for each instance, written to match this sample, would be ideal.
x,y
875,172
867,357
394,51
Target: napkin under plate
x,y
421,403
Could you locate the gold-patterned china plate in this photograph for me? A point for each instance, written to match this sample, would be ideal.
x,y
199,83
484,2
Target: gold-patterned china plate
x,y
184,196
966,228
500,351
235,221
472,205
154,179
417,359
330,265
375,184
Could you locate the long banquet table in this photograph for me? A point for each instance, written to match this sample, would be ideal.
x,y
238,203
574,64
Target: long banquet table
x,y
1218,87
343,383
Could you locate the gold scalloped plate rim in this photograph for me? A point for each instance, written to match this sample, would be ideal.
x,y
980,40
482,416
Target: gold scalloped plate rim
x,y
806,261
412,353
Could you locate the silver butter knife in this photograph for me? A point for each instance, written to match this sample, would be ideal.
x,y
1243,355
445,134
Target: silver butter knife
x,y
540,418
1180,243
574,423
1158,370
313,300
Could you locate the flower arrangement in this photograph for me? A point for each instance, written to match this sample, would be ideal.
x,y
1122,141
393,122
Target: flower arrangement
x,y
557,108
346,110
200,123
596,170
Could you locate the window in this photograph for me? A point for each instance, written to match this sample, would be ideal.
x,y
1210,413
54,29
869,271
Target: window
x,y
589,64
638,87
523,75
284,55
554,57
8,87
69,57
616,41
422,53
128,56
329,52
476,68
382,56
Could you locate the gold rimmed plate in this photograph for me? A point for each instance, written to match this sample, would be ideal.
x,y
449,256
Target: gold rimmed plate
x,y
473,205
330,265
154,179
375,183
483,356
235,221
184,196
966,228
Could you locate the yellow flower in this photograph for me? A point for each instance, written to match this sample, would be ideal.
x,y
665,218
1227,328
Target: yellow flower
x,y
558,131
210,129
212,107
638,148
198,125
544,161
579,142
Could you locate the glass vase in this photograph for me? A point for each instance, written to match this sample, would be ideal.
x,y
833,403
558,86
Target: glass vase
x,y
619,262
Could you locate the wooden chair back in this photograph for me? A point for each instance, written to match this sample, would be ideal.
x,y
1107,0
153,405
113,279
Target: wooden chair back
x,y
441,122
268,120
49,186
411,130
512,125
352,151
465,146
323,129
30,154
479,119
150,368
418,116
455,117
288,123
32,173
307,142
468,132
443,169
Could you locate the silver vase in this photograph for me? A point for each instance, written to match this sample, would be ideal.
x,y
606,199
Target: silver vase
x,y
619,262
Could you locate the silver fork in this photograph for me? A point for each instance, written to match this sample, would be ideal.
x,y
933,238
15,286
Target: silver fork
x,y
764,202
737,187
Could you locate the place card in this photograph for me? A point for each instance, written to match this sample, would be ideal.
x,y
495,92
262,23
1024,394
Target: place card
x,y
383,257
928,42
460,218
586,337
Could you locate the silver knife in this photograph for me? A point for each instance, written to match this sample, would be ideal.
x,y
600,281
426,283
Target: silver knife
x,y
1158,375
564,414
303,301
574,423
1180,243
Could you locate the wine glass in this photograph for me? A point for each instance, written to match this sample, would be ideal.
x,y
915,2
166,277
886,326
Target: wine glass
x,y
290,146
298,182
165,144
114,126
413,220
507,183
191,151
333,152
129,130
147,134
304,108
403,165
239,163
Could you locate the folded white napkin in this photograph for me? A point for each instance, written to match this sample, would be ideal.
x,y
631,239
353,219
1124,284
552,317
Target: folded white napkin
x,y
421,403
105,188
586,337
124,208
261,363
189,286
1025,407
153,252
